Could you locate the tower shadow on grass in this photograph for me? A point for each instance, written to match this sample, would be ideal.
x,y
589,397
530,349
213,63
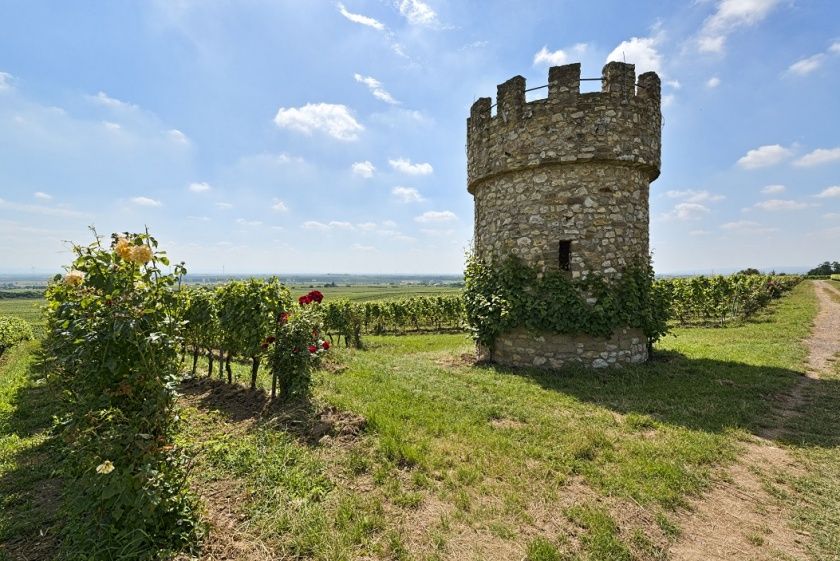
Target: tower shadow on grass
x,y
704,395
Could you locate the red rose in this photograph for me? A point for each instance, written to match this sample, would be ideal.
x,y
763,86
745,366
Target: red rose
x,y
270,339
304,300
313,349
315,296
283,317
325,345
264,346
296,350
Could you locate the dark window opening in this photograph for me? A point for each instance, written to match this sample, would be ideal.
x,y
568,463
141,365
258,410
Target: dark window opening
x,y
565,255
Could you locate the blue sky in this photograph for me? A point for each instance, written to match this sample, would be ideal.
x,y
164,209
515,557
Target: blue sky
x,y
315,136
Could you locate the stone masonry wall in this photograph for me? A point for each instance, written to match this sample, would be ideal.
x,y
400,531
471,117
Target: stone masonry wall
x,y
550,350
571,167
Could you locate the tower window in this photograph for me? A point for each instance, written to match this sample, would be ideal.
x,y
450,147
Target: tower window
x,y
565,255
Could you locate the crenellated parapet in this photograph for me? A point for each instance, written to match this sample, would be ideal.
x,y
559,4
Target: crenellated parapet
x,y
621,124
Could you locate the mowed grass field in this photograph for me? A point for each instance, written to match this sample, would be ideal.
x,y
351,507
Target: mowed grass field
x,y
408,450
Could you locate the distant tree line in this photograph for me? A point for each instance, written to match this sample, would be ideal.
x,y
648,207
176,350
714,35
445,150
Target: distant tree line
x,y
825,268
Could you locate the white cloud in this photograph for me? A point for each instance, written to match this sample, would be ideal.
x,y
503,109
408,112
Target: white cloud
x,y
41,195
363,169
340,225
360,19
830,192
640,51
334,120
404,165
673,84
145,201
249,223
177,136
111,126
772,189
730,16
5,81
558,57
389,224
835,48
699,233
747,226
375,87
818,156
713,82
407,194
687,211
224,206
692,196
807,65
552,58
366,226
199,187
418,13
436,216
278,205
199,218
315,225
775,205
107,101
831,215
764,156
360,247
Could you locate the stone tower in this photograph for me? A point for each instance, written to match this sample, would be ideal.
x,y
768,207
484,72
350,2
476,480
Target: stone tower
x,y
563,184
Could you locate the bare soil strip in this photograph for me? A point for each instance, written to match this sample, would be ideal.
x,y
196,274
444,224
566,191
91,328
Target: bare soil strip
x,y
737,519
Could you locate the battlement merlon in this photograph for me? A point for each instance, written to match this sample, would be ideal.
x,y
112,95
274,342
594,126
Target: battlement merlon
x,y
621,124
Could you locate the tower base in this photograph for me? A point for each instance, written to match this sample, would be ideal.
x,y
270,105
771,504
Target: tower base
x,y
521,347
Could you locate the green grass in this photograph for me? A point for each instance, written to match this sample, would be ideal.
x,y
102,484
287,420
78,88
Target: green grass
x,y
476,462
451,448
29,488
29,309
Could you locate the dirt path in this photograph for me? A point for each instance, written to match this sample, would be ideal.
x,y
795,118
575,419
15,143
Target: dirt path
x,y
737,520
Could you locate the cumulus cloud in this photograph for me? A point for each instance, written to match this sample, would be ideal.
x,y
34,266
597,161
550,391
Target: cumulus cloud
x,y
338,225
41,195
177,136
359,18
248,223
197,187
772,189
830,192
692,196
418,13
366,226
775,205
278,205
835,48
713,82
818,157
436,216
375,87
5,81
404,165
640,51
224,206
360,247
730,16
41,209
363,169
105,100
558,57
145,201
407,194
687,211
315,225
332,119
807,65
764,156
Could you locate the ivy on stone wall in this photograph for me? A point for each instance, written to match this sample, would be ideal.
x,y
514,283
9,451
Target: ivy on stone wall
x,y
512,294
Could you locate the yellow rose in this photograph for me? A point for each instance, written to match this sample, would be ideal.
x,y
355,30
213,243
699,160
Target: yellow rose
x,y
123,248
141,254
74,278
105,467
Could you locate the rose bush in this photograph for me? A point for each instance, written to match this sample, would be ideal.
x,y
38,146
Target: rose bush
x,y
113,336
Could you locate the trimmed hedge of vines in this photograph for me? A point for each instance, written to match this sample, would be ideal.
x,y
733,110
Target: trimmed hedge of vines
x,y
13,330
